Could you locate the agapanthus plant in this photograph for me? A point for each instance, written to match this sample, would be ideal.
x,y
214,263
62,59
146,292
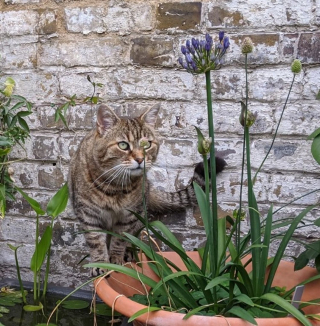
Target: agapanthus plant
x,y
221,285
201,56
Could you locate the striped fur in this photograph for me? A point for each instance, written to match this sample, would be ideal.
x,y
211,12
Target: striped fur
x,y
106,178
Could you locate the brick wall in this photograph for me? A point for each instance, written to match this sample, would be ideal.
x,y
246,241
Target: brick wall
x,y
49,48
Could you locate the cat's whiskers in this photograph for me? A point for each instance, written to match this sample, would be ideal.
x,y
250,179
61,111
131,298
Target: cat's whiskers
x,y
118,169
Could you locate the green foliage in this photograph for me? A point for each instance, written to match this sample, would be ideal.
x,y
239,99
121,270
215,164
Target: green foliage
x,y
75,304
222,285
56,206
14,130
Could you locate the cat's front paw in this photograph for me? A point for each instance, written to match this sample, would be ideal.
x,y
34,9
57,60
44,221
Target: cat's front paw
x,y
117,259
97,271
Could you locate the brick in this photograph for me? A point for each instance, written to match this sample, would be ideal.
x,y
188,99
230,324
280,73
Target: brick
x,y
148,51
78,117
266,49
51,177
179,118
290,43
242,14
292,153
122,19
298,119
84,52
140,83
312,80
129,17
309,47
21,22
285,188
47,21
85,20
274,84
36,87
183,16
45,147
14,56
13,2
226,84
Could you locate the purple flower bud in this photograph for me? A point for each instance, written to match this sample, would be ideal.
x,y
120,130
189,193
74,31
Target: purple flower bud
x,y
195,43
192,50
188,44
180,60
194,66
226,42
183,49
185,66
208,38
202,44
208,46
188,58
221,35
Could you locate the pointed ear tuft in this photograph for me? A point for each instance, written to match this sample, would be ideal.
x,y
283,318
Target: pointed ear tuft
x,y
106,119
150,116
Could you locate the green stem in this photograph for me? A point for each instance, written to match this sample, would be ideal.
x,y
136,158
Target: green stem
x,y
19,276
214,225
46,276
35,274
275,134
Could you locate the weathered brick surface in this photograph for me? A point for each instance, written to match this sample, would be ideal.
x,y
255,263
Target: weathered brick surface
x,y
131,47
184,15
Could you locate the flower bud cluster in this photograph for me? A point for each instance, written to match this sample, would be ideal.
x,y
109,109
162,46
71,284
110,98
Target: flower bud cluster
x,y
201,56
9,86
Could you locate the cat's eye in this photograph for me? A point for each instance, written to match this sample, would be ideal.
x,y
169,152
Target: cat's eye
x,y
123,145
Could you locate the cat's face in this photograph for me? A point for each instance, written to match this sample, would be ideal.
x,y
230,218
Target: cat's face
x,y
125,146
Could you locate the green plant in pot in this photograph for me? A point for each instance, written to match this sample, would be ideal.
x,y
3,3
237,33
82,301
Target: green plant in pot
x,y
224,283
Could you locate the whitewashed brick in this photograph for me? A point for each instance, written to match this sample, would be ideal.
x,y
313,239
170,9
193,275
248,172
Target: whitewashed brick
x,y
85,20
21,22
14,56
260,13
86,52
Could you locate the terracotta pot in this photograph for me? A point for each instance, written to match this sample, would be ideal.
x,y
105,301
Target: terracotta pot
x,y
115,290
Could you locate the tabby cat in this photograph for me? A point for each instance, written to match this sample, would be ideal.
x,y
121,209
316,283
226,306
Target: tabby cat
x,y
106,176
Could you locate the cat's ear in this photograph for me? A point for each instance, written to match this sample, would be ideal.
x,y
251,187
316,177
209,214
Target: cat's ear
x,y
150,116
106,119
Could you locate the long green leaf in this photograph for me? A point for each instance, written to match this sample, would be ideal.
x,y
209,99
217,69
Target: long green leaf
x,y
315,149
243,314
196,310
265,251
142,312
58,202
125,270
287,307
41,250
217,281
283,245
172,276
32,202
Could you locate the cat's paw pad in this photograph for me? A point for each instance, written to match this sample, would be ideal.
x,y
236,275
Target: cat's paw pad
x,y
116,259
97,271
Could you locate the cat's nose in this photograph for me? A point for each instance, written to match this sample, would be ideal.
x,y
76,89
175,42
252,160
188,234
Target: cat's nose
x,y
139,159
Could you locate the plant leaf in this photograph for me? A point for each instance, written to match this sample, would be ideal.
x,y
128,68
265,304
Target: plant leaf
x,y
217,280
143,311
31,308
315,148
58,202
41,250
287,307
75,304
32,202
243,314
